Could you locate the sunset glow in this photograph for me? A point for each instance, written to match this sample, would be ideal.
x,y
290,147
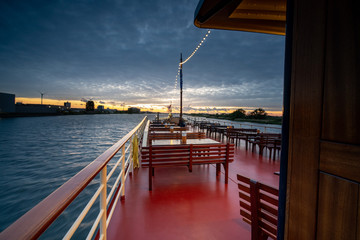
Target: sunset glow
x,y
143,107
119,58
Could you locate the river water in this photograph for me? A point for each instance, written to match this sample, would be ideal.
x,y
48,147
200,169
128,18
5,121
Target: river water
x,y
39,154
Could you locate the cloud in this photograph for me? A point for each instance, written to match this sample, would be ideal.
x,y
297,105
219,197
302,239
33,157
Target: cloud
x,y
120,52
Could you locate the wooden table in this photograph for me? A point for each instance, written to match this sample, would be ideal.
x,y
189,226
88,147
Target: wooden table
x,y
247,136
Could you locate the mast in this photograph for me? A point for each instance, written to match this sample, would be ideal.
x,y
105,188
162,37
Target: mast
x,y
42,95
181,87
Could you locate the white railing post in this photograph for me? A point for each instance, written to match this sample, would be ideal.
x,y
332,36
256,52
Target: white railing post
x,y
103,203
123,173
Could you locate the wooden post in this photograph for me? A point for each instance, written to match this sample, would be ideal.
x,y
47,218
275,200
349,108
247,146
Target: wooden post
x,y
217,169
122,194
103,182
254,193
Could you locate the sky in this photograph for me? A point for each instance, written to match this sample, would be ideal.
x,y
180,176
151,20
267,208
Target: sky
x,y
126,53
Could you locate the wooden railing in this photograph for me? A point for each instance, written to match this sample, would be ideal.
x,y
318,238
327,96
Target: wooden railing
x,y
33,223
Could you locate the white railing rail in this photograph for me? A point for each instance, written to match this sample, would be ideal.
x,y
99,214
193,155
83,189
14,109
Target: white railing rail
x,y
261,127
32,224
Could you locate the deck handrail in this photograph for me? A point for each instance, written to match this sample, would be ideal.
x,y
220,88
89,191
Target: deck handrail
x,y
33,223
256,125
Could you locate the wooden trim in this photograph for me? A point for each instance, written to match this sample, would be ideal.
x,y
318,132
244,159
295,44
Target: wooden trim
x,y
307,74
338,205
340,159
358,218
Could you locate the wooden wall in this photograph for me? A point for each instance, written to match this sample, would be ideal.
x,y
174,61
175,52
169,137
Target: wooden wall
x,y
323,195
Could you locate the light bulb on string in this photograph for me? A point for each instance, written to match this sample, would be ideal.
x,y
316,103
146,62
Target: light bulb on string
x,y
188,58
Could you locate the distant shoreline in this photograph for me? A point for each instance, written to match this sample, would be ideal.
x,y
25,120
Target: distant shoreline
x,y
15,115
268,120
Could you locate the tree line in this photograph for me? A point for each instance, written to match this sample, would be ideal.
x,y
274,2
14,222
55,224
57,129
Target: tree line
x,y
258,113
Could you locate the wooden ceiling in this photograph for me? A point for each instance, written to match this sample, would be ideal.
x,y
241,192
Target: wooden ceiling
x,y
264,16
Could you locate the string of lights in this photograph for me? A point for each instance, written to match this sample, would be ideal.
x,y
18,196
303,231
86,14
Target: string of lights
x,y
197,48
187,59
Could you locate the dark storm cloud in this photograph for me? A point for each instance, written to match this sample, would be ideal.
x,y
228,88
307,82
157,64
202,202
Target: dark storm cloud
x,y
129,51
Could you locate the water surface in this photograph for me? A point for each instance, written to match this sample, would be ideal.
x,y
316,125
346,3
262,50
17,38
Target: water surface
x,y
39,154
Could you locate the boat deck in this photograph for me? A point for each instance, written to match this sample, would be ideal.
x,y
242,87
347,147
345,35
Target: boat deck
x,y
184,205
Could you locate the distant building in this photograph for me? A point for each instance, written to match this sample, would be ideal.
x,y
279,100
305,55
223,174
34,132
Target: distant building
x,y
7,103
67,105
110,110
90,106
77,110
36,109
100,108
133,110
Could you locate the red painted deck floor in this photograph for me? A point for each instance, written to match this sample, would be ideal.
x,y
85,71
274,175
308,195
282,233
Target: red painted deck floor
x,y
185,205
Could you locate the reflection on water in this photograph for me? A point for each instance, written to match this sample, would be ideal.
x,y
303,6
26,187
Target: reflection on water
x,y
39,154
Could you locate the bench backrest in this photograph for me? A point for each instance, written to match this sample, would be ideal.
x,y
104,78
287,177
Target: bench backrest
x,y
192,154
259,207
235,131
167,135
270,135
167,129
204,125
268,138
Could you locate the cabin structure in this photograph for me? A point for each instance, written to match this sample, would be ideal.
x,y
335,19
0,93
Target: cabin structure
x,y
320,162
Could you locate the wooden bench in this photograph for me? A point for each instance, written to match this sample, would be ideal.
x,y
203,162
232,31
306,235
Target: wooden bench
x,y
167,135
187,155
167,129
204,125
236,134
211,128
259,207
222,129
271,141
274,144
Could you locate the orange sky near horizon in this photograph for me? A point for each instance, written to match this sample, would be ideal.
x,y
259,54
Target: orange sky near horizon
x,y
147,107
